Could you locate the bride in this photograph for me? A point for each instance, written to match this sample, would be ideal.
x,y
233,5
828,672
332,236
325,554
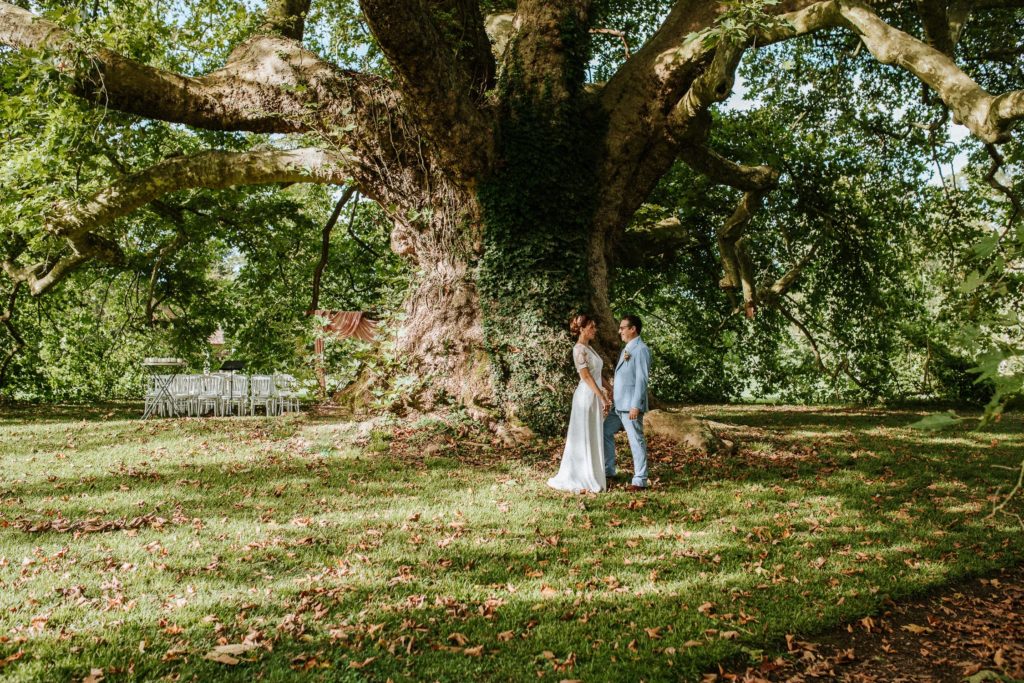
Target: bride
x,y
582,466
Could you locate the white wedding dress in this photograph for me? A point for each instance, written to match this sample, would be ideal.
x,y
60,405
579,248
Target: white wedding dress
x,y
582,466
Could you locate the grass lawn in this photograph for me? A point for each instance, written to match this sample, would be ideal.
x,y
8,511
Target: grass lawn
x,y
249,549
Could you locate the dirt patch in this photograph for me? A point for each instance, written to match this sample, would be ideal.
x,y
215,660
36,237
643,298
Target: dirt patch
x,y
973,631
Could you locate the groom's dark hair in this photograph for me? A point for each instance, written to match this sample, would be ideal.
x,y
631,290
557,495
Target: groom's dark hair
x,y
634,321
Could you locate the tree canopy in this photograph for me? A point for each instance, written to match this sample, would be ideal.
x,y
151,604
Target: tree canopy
x,y
774,182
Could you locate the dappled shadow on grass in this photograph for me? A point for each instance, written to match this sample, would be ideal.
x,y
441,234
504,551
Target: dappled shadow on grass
x,y
30,413
325,554
846,418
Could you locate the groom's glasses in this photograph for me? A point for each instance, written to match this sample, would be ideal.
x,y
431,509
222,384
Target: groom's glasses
x,y
625,327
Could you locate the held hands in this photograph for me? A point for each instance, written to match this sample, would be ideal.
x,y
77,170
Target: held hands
x,y
634,413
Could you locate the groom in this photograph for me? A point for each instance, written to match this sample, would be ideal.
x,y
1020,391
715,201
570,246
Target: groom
x,y
630,402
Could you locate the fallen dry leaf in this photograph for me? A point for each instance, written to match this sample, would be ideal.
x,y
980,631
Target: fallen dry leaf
x,y
235,649
360,665
11,658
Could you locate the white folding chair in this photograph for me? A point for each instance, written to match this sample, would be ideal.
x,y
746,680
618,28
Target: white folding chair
x,y
235,394
286,395
155,398
262,393
184,390
209,395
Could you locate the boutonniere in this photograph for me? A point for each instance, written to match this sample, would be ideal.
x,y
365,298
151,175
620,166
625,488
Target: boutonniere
x,y
626,356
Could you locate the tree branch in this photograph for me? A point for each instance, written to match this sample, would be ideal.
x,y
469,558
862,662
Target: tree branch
x,y
732,250
989,117
436,85
756,182
771,294
658,105
807,335
936,21
44,274
325,245
713,85
842,366
258,90
286,18
162,254
470,42
545,50
621,35
661,240
726,172
993,182
7,319
211,170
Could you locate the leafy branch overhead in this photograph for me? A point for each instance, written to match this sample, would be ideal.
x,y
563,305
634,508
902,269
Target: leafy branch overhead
x,y
270,83
507,172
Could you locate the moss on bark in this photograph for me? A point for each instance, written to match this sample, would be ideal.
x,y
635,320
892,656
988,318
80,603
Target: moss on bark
x,y
538,211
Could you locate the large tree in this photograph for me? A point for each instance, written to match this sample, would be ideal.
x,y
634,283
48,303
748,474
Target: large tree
x,y
510,176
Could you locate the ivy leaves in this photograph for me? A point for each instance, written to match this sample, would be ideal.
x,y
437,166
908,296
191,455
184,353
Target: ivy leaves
x,y
739,21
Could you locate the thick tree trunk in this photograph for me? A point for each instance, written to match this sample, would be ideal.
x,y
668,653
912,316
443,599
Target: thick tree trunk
x,y
504,258
442,332
499,273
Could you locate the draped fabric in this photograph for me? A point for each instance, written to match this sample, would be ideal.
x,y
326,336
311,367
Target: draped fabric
x,y
349,324
346,324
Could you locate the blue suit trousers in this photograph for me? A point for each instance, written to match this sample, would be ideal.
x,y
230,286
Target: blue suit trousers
x,y
618,421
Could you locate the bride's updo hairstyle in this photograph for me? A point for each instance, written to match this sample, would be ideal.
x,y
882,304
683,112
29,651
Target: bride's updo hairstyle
x,y
578,322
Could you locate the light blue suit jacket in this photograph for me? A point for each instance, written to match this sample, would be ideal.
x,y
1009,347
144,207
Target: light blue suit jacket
x,y
630,386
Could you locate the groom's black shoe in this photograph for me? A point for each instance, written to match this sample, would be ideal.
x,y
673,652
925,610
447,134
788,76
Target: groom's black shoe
x,y
633,488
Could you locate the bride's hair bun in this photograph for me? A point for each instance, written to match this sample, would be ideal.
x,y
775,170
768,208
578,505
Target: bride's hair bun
x,y
578,322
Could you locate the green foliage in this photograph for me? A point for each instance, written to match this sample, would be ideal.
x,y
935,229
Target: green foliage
x,y
241,258
251,276
272,287
739,19
915,282
896,277
637,19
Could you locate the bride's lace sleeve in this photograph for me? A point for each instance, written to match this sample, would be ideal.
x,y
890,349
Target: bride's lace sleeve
x,y
579,356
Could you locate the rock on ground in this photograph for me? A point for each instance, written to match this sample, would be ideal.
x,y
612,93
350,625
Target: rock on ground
x,y
687,431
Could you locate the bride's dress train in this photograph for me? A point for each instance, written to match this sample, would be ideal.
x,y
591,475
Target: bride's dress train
x,y
582,467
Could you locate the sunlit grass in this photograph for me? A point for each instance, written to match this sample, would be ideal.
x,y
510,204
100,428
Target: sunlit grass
x,y
322,553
